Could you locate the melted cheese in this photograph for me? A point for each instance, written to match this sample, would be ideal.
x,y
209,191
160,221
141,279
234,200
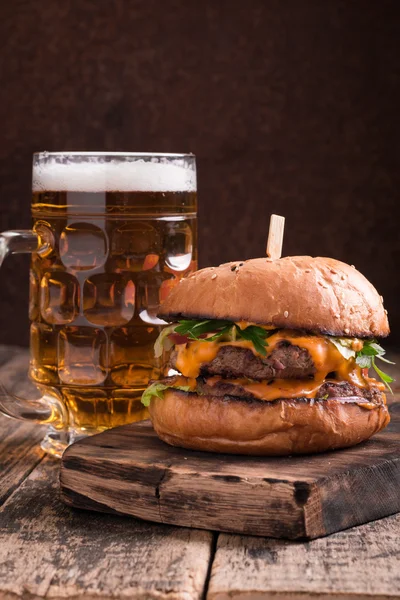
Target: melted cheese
x,y
274,389
325,356
181,381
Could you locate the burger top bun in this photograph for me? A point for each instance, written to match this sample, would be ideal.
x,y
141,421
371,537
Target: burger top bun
x,y
319,295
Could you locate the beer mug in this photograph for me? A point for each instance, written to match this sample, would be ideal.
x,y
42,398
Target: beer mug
x,y
112,234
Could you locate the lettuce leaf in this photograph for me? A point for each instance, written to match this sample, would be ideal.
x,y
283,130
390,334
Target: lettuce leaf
x,y
157,390
162,342
343,345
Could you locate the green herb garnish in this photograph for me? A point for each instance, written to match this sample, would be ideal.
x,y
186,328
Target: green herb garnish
x,y
365,358
194,329
256,335
219,328
157,390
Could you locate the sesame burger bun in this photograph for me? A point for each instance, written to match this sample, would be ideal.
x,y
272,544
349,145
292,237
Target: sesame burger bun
x,y
319,295
281,427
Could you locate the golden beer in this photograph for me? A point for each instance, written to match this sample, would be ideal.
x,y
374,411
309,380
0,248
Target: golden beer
x,y
119,233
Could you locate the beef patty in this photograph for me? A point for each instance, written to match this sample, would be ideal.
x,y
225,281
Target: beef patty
x,y
329,389
286,361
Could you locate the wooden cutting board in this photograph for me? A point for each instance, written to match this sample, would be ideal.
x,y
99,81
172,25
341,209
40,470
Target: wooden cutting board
x,y
129,471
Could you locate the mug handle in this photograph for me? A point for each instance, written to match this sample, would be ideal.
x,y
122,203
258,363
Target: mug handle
x,y
45,409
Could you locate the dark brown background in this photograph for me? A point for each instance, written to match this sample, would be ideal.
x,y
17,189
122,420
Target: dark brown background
x,y
291,106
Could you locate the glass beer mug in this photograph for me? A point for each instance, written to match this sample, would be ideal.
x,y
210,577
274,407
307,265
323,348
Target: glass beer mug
x,y
112,234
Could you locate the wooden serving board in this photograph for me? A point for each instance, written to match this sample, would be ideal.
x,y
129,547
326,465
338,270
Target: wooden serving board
x,y
129,471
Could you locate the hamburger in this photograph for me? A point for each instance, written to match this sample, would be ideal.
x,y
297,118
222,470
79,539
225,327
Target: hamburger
x,y
271,357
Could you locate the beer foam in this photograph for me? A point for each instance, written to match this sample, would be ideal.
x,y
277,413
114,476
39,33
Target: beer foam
x,y
114,176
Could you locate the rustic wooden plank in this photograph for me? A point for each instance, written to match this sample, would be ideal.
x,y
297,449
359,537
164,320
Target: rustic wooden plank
x,y
48,550
20,452
128,470
361,563
20,448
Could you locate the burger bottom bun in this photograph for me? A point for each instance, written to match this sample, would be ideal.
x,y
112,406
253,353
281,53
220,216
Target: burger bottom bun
x,y
281,427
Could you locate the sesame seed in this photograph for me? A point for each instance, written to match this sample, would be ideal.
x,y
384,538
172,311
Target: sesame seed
x,y
381,297
212,268
337,316
214,276
343,277
385,311
352,266
307,270
347,330
286,314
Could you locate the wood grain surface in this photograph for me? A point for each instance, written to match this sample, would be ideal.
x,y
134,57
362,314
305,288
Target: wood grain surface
x,y
19,442
361,563
19,454
128,470
50,551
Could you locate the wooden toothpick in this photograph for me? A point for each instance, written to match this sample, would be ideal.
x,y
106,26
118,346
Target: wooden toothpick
x,y
275,236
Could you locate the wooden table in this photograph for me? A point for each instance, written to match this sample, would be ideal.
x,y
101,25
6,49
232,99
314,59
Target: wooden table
x,y
48,550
